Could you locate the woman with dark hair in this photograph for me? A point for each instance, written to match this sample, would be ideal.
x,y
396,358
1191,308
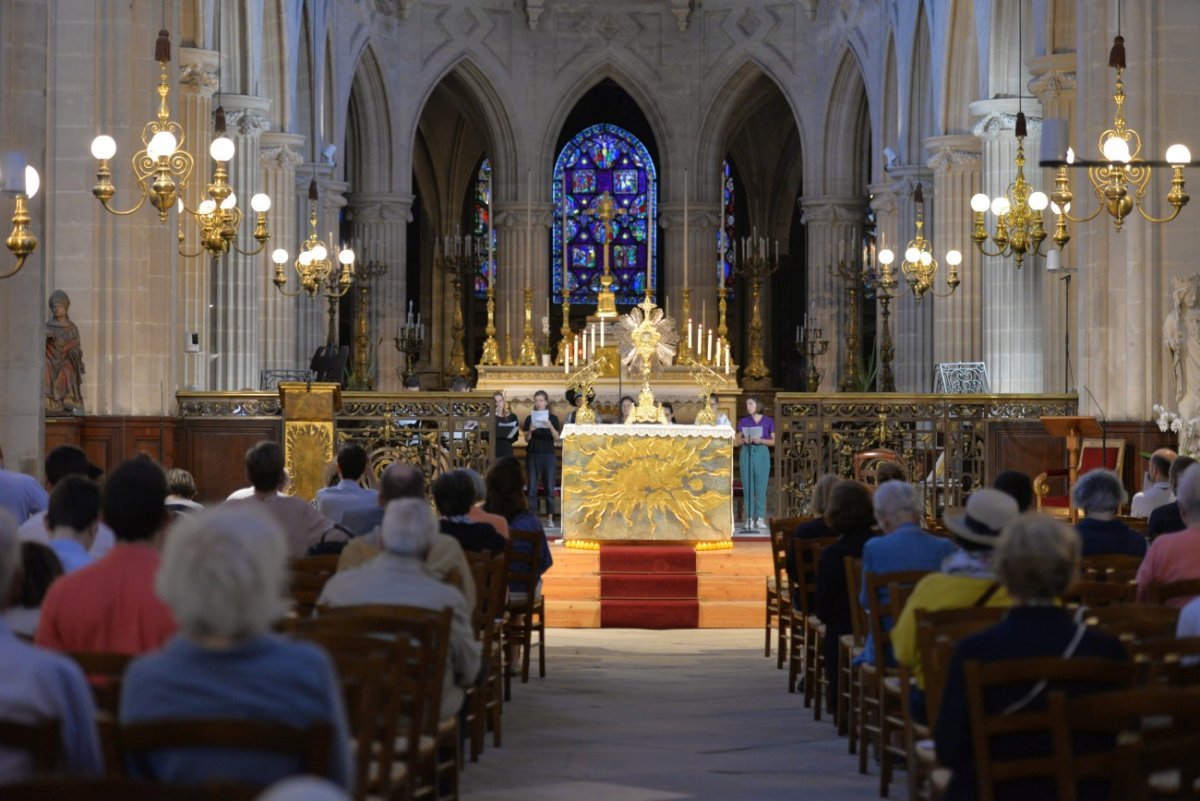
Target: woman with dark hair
x,y
38,569
755,436
506,497
850,516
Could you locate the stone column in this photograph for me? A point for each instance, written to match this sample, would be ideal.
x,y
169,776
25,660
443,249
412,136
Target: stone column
x,y
522,260
957,319
278,155
236,279
380,221
197,81
830,221
1054,85
1013,330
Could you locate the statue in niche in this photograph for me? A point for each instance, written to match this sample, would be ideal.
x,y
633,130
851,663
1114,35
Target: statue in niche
x,y
64,359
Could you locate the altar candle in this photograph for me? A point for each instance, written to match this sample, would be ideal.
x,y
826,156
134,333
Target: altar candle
x,y
797,335
710,344
602,336
689,330
726,360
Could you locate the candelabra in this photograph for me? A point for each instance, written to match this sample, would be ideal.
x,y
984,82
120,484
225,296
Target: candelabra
x,y
315,270
756,266
21,243
887,353
491,348
582,381
457,262
685,347
361,379
811,345
919,266
710,381
529,351
409,339
564,343
850,276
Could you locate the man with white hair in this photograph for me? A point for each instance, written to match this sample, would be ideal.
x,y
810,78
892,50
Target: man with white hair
x,y
1175,557
38,686
903,546
397,577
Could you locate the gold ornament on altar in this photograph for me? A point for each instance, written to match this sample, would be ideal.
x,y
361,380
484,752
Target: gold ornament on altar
x,y
582,381
710,381
647,338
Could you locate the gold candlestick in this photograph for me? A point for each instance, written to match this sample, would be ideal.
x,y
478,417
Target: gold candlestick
x,y
508,359
685,350
491,348
812,346
606,211
361,378
850,275
529,351
564,344
887,282
756,268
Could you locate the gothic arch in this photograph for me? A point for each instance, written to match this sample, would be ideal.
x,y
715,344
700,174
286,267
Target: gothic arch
x,y
368,139
278,62
918,122
960,70
728,111
889,127
847,121
544,158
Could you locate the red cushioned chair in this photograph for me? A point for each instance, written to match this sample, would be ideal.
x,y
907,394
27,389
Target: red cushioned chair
x,y
1094,453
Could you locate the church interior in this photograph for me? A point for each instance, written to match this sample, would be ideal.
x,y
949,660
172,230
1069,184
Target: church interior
x,y
949,241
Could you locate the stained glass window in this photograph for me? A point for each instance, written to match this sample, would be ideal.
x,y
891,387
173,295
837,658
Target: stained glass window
x,y
483,206
599,159
725,234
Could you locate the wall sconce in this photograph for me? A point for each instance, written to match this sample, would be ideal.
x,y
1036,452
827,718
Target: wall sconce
x,y
21,242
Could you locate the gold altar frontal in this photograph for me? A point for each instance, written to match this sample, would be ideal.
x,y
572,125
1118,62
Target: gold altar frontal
x,y
647,483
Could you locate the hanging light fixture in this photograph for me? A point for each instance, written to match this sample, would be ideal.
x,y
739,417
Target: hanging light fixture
x,y
919,266
162,167
21,242
315,268
1018,212
1121,176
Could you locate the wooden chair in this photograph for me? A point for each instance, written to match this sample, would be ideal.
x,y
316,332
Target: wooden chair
x,y
1170,661
1094,453
938,634
1155,730
1179,592
880,714
106,675
307,577
416,625
1095,594
1134,623
39,740
808,552
846,713
485,702
527,610
378,694
310,745
778,597
988,726
120,789
1119,568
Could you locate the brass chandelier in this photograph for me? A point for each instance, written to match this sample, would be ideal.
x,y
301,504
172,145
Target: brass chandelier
x,y
1121,176
919,266
21,242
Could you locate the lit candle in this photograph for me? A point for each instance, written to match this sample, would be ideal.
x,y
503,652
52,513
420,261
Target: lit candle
x,y
602,336
710,344
689,330
726,360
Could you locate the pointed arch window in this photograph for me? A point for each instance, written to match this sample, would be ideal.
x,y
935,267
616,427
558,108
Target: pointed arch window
x,y
603,158
726,234
482,212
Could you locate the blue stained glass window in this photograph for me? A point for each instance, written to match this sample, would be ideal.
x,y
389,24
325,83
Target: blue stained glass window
x,y
725,234
483,206
603,158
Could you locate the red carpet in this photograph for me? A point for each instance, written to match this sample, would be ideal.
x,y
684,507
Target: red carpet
x,y
648,587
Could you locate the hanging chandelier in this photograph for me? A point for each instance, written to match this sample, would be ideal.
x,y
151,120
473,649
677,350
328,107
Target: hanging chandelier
x,y
919,266
1121,177
162,167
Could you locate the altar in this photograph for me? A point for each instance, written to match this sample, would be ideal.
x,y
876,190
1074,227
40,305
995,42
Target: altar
x,y
647,483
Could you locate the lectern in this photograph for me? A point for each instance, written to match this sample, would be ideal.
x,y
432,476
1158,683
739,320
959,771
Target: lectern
x,y
308,410
1074,429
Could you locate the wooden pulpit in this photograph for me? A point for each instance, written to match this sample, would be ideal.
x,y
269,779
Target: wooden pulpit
x,y
1074,429
308,410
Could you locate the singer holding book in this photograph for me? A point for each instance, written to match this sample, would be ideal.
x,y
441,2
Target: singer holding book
x,y
755,436
541,430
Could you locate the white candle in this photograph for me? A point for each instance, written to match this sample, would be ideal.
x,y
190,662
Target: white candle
x,y
685,229
726,360
689,330
710,344
601,336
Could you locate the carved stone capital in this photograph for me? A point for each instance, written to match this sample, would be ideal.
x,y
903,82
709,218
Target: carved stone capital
x,y
1053,84
831,210
944,158
279,157
197,79
381,212
249,122
994,123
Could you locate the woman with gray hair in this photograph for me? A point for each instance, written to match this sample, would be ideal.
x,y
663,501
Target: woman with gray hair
x,y
1099,494
223,575
1036,558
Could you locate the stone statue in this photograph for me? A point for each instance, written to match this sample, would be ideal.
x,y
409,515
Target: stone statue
x,y
64,359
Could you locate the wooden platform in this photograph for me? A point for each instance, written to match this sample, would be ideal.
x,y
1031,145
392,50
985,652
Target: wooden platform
x,y
731,587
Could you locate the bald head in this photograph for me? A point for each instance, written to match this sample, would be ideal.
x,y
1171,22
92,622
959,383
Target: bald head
x,y
400,480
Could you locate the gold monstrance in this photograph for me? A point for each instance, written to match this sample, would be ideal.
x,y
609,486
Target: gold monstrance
x,y
651,338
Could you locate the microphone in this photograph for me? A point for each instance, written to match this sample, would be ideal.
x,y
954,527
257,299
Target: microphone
x,y
1103,428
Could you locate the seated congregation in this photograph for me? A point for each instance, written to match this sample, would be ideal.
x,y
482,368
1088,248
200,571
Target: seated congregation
x,y
1000,653
365,641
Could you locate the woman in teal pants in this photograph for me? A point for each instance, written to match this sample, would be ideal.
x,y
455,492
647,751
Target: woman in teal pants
x,y
756,435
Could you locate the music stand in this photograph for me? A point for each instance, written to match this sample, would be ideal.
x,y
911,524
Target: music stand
x,y
1073,428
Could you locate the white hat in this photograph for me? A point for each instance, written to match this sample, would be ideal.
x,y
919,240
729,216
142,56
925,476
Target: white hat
x,y
987,511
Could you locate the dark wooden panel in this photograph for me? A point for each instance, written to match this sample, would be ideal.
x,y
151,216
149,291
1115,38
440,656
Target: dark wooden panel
x,y
214,451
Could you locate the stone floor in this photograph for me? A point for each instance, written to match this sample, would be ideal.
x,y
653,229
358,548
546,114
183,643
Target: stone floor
x,y
631,715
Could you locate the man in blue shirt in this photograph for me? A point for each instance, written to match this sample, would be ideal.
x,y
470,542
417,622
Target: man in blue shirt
x,y
21,495
904,546
347,494
72,521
